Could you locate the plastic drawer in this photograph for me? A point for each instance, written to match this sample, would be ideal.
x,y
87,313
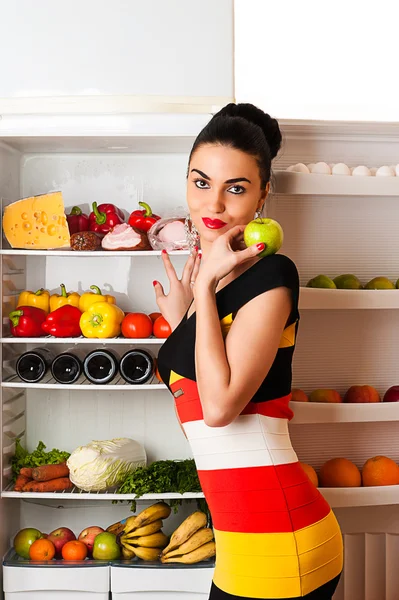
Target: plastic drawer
x,y
166,582
28,580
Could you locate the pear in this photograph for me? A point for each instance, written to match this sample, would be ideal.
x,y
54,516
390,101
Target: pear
x,y
347,282
321,281
379,283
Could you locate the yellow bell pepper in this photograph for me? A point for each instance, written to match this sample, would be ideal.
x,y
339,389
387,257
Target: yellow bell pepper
x,y
39,299
89,298
56,300
101,320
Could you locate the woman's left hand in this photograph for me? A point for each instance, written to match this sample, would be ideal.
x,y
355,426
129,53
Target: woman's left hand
x,y
225,255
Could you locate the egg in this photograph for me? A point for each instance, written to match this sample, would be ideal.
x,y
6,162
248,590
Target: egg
x,y
361,171
373,170
290,168
321,168
300,168
310,167
385,171
341,169
397,170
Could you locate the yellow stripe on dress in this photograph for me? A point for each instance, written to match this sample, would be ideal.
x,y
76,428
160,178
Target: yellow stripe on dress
x,y
287,338
174,377
278,565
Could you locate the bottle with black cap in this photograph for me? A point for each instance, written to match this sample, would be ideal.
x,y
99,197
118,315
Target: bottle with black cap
x,y
32,365
100,366
67,367
136,366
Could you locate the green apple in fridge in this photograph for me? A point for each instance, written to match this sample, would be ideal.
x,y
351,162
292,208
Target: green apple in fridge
x,y
267,231
105,547
347,282
24,539
321,281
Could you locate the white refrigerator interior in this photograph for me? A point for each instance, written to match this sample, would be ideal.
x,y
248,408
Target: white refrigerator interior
x,y
331,225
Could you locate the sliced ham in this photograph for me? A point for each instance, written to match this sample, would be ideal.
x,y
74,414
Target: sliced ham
x,y
125,237
173,232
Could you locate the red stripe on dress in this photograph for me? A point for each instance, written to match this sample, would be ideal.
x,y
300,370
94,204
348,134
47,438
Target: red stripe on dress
x,y
255,500
188,404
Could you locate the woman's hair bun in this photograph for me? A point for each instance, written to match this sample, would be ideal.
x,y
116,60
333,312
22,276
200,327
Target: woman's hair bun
x,y
255,115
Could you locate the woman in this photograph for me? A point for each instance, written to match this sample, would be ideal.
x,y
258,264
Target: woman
x,y
228,365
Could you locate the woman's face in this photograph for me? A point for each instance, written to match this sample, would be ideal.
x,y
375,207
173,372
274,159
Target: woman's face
x,y
223,189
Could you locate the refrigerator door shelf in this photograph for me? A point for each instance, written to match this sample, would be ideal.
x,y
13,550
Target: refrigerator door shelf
x,y
25,580
192,582
314,184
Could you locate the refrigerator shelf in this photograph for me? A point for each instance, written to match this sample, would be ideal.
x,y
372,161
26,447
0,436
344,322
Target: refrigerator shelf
x,y
96,253
336,497
313,184
81,340
326,299
314,412
76,494
49,383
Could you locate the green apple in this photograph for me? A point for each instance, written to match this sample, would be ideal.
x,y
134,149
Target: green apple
x,y
321,281
24,540
379,283
105,547
267,231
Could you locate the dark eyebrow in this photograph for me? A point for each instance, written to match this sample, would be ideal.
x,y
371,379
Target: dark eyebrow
x,y
201,173
235,180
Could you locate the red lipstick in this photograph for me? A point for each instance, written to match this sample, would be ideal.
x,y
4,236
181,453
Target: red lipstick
x,y
213,223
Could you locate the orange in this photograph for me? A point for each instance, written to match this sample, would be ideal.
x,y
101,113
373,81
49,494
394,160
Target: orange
x,y
157,375
311,473
340,472
380,470
299,395
42,550
74,550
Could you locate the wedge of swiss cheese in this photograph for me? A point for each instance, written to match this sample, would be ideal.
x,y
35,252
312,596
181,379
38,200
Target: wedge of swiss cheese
x,y
37,223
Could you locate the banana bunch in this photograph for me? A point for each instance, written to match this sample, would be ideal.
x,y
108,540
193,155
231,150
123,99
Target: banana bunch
x,y
117,528
191,542
142,535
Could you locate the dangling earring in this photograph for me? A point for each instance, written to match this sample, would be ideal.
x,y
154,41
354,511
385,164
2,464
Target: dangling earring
x,y
257,214
192,233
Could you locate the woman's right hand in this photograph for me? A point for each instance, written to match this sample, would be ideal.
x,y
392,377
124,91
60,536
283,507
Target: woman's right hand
x,y
174,305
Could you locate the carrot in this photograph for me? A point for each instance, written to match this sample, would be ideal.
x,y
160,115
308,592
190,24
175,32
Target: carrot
x,y
48,472
20,482
54,485
26,471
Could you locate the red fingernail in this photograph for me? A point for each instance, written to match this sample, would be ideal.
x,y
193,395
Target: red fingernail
x,y
154,283
260,246
196,248
200,255
164,251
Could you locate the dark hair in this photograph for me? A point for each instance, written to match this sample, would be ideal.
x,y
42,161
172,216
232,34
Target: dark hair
x,y
247,128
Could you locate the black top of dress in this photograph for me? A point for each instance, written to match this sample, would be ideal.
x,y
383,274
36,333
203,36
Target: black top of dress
x,y
178,351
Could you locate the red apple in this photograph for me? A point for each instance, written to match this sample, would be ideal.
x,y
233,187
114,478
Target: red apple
x,y
60,537
88,535
392,394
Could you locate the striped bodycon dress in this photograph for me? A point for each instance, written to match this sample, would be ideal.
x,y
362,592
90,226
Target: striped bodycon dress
x,y
276,536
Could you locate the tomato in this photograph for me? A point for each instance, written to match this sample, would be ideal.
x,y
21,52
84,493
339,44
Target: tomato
x,y
162,328
154,315
136,325
74,550
42,550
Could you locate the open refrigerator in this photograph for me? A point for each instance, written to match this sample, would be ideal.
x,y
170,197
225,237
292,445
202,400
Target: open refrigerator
x,y
332,225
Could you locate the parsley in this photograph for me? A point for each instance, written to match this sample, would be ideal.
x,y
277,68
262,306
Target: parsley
x,y
38,457
162,476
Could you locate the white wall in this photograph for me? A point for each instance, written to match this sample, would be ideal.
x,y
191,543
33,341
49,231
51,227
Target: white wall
x,y
315,60
114,47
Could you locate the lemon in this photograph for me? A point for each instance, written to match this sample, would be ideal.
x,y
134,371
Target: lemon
x,y
321,281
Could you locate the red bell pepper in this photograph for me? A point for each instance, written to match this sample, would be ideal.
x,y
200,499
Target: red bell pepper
x,y
77,221
27,321
143,219
104,218
63,322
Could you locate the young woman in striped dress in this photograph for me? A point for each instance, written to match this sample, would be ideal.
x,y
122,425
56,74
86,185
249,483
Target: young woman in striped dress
x,y
227,362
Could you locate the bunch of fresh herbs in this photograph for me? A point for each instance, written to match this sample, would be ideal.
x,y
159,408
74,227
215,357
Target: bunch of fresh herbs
x,y
22,458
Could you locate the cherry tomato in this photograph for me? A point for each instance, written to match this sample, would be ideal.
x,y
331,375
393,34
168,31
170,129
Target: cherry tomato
x,y
154,315
162,328
136,325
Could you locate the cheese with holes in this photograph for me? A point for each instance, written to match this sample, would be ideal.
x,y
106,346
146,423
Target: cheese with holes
x,y
37,223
